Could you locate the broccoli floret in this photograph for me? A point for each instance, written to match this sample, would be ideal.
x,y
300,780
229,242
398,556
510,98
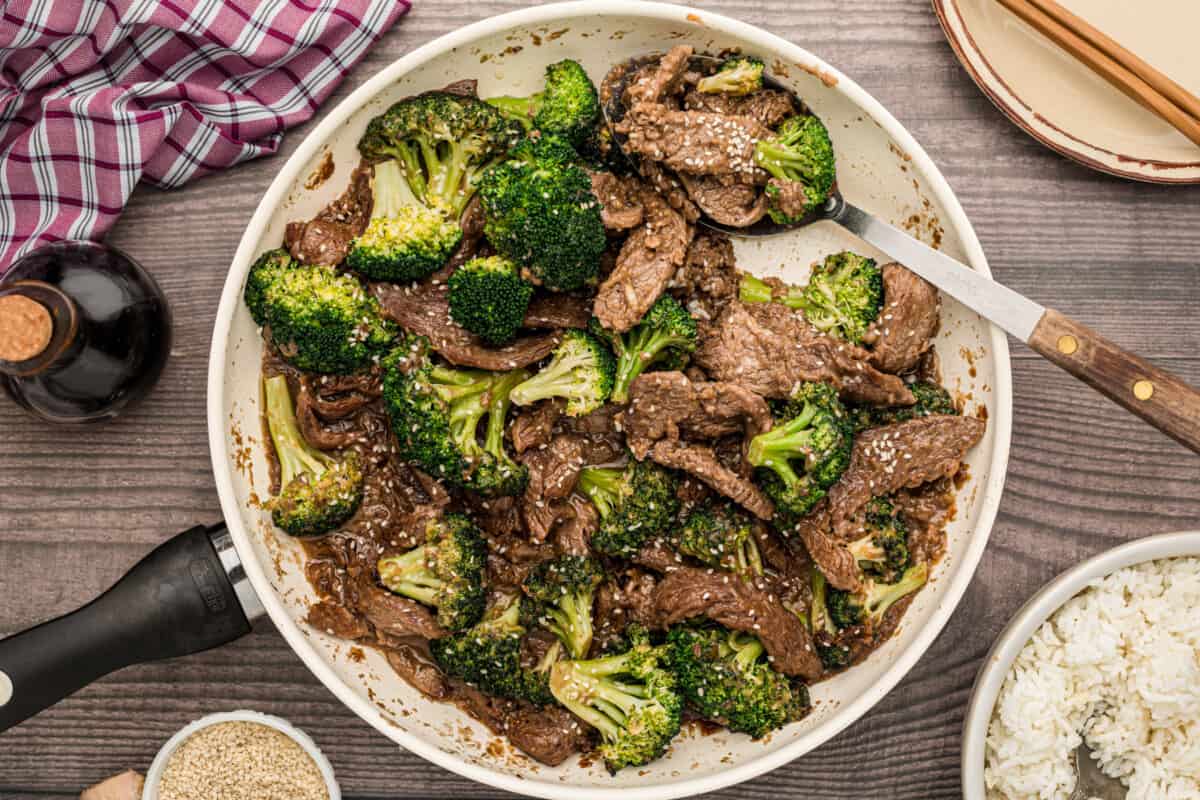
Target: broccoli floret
x,y
568,106
446,572
814,436
489,298
737,75
558,596
635,503
931,400
442,142
844,295
800,152
720,535
318,492
629,698
541,213
405,240
489,657
580,372
882,553
601,154
868,605
263,274
319,320
435,413
665,337
724,677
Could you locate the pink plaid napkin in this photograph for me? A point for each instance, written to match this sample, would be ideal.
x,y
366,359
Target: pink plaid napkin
x,y
96,95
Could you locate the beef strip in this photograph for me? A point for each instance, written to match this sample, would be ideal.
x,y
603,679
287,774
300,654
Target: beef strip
x,y
736,603
669,188
326,238
701,461
646,263
925,512
907,323
790,197
550,735
695,142
424,309
557,310
335,619
411,665
709,277
398,616
620,200
666,405
769,348
624,598
652,84
553,474
313,429
768,106
533,425
726,199
883,460
573,534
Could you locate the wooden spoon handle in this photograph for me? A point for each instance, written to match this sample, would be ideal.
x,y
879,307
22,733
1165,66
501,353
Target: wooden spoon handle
x,y
1153,394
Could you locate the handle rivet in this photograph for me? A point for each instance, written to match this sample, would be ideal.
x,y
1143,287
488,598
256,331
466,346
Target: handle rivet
x,y
6,689
1143,390
1067,344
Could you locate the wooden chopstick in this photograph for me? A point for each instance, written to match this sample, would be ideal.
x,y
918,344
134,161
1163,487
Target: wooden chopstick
x,y
1113,67
1127,58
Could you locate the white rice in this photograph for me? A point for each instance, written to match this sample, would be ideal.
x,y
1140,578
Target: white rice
x,y
1119,663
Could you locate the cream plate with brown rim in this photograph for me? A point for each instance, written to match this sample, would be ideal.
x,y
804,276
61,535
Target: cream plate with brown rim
x,y
1067,107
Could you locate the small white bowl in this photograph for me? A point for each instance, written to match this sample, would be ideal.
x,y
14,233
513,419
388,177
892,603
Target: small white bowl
x,y
154,774
1026,622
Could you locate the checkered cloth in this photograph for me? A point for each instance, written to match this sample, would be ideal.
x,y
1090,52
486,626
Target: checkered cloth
x,y
96,95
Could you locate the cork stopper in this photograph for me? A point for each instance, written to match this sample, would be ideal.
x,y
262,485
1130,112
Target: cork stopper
x,y
25,328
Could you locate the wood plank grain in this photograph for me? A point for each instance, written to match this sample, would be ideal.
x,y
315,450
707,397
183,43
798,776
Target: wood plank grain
x,y
79,508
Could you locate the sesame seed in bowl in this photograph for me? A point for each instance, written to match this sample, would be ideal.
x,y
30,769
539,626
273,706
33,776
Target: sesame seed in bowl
x,y
240,755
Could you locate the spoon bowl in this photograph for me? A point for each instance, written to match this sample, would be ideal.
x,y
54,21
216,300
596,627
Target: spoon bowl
x,y
613,107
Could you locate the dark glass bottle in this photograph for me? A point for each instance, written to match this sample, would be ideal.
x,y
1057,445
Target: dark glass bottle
x,y
84,332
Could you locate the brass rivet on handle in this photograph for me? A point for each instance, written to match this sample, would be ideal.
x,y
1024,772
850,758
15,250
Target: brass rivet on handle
x,y
1067,344
1143,390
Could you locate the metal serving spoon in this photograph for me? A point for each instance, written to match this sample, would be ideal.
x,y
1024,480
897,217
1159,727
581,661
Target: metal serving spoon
x,y
1157,396
1091,781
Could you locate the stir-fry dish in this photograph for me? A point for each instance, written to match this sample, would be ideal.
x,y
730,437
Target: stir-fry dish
x,y
551,452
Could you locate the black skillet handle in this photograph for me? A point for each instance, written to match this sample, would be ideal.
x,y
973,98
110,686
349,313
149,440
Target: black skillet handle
x,y
179,599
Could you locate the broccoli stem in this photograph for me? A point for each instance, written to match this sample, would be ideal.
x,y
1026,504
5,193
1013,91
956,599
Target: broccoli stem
x,y
775,448
882,596
409,575
747,650
390,191
748,558
819,618
556,380
295,455
522,109
601,701
500,401
571,621
866,549
642,347
755,290
602,485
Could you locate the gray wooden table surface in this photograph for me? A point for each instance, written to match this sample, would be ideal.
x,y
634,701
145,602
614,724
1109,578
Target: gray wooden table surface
x,y
77,507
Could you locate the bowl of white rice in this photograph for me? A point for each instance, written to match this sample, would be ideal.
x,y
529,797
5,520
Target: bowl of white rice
x,y
1108,652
